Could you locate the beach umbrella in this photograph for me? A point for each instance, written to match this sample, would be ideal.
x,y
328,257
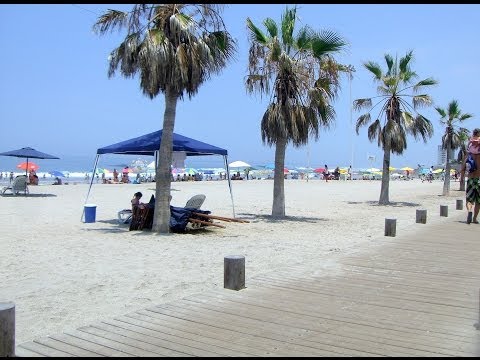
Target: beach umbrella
x,y
28,166
28,153
373,170
190,171
239,164
319,170
407,168
56,173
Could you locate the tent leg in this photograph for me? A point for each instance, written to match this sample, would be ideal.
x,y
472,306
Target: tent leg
x,y
229,183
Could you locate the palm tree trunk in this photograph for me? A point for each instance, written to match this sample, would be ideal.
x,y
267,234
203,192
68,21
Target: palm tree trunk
x,y
278,207
161,219
384,200
446,180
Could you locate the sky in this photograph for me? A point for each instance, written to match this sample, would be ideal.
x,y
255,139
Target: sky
x,y
57,98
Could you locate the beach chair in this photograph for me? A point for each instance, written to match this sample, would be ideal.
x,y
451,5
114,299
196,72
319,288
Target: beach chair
x,y
196,201
18,185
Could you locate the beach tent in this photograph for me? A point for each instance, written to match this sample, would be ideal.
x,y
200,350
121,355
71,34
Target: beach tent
x,y
149,144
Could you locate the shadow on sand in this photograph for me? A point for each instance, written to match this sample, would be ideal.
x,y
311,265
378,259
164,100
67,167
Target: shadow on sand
x,y
271,219
392,203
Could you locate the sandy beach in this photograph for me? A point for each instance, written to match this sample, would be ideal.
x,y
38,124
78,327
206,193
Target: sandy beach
x,y
62,273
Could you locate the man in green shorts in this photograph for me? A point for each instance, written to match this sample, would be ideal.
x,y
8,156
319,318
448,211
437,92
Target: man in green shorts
x,y
473,189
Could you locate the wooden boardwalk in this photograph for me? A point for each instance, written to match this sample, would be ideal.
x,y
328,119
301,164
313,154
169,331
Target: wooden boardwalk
x,y
415,295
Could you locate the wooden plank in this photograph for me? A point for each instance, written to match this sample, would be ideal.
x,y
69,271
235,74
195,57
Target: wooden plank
x,y
158,339
23,352
44,350
467,302
141,348
282,331
113,344
180,337
347,312
274,337
89,345
68,348
256,346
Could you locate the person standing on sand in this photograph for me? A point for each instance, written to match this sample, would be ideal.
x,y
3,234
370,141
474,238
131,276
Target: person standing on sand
x,y
326,173
472,189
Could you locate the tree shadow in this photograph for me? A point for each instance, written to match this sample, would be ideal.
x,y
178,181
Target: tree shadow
x,y
30,195
272,219
391,204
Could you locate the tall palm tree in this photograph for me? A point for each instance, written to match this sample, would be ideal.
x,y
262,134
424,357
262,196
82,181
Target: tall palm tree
x,y
452,138
174,48
301,76
400,118
462,153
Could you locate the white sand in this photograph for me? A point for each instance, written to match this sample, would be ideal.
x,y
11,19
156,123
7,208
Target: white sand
x,y
62,273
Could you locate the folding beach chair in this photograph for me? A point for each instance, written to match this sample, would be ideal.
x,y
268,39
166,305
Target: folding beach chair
x,y
196,201
18,185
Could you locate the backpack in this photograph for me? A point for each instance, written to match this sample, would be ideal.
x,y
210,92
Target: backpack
x,y
470,164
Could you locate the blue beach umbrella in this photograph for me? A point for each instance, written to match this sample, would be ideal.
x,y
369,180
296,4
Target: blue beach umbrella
x,y
56,173
28,153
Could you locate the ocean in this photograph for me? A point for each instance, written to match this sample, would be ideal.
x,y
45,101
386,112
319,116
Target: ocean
x,y
82,164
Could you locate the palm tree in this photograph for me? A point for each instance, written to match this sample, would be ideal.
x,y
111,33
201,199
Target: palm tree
x,y
304,78
452,139
462,153
174,48
401,118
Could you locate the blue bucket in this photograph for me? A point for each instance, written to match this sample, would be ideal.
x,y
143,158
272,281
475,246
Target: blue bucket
x,y
90,212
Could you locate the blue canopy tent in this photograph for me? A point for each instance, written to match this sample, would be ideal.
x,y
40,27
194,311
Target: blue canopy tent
x,y
149,144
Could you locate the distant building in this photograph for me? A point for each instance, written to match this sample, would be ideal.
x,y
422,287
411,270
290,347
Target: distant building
x,y
441,155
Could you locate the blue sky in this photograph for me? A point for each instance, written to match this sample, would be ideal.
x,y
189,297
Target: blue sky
x,y
57,98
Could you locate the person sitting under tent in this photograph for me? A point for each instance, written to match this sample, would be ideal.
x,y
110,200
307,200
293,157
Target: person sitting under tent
x,y
57,181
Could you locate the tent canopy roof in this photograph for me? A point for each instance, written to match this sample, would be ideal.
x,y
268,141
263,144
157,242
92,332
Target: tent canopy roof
x,y
149,143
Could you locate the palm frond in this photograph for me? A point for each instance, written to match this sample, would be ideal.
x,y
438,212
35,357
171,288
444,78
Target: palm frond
x,y
374,130
441,111
109,21
374,68
271,26
421,128
360,104
421,101
425,82
394,134
287,26
327,42
256,35
303,38
362,121
453,109
404,61
389,61
465,117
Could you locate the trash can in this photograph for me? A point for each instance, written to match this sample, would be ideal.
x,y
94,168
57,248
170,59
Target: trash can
x,y
90,212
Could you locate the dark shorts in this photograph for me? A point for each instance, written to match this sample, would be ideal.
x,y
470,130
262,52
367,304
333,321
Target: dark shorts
x,y
473,190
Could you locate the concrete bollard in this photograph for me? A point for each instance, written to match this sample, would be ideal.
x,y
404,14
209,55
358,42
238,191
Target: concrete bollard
x,y
391,227
7,329
234,272
444,210
459,204
421,217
